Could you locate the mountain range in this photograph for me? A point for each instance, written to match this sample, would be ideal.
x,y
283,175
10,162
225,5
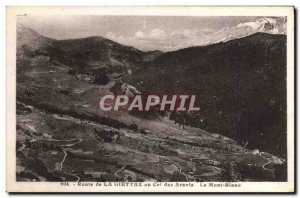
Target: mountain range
x,y
84,54
263,25
241,83
239,134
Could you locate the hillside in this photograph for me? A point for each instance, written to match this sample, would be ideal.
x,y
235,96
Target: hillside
x,y
83,54
62,135
241,85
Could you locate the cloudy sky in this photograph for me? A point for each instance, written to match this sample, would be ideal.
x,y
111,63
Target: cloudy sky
x,y
147,33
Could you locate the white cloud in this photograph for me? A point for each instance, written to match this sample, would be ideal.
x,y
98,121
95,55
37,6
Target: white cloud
x,y
157,34
139,34
154,34
191,33
116,38
160,39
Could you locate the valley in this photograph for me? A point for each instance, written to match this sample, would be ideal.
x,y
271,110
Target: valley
x,y
62,135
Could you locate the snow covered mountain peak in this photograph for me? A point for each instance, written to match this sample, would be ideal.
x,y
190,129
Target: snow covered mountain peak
x,y
263,25
267,25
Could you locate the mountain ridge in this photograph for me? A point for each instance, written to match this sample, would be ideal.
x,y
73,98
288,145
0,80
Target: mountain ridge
x,y
232,85
83,53
63,136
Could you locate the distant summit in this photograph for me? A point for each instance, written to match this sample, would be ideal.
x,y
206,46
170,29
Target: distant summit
x,y
31,39
82,54
266,25
263,25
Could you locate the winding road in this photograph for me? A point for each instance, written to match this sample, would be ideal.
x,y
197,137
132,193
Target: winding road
x,y
22,147
185,175
72,144
214,171
61,163
269,161
65,156
151,161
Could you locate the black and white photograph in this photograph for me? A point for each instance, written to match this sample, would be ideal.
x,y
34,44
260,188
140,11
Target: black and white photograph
x,y
162,99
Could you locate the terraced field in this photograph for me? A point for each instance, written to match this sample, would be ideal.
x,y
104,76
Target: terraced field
x,y
62,136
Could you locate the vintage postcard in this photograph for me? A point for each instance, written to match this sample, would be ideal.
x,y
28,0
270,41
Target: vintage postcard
x,y
150,99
